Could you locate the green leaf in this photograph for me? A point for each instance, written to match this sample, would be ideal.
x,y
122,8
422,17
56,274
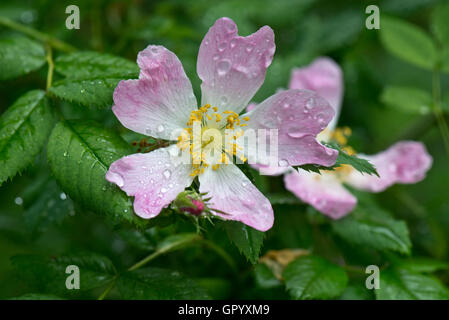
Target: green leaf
x,y
246,239
88,65
264,277
411,100
37,296
312,277
79,154
91,77
95,92
283,198
439,23
361,165
49,207
356,292
24,129
423,265
403,284
176,242
19,56
49,274
408,42
370,226
159,284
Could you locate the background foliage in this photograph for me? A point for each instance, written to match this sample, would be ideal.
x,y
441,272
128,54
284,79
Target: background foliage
x,y
396,87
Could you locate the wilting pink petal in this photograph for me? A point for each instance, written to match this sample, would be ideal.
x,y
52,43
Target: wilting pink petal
x,y
232,67
324,192
324,77
298,115
233,193
152,178
160,101
403,162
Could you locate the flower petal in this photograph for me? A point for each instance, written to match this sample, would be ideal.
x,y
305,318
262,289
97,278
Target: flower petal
x,y
160,101
298,115
324,192
234,194
232,67
325,77
154,179
403,162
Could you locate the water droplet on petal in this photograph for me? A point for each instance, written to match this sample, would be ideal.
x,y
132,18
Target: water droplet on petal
x,y
167,174
223,67
222,46
283,163
310,103
163,190
286,105
160,128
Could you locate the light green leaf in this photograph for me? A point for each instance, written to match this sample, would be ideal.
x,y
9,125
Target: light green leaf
x,y
49,274
159,284
89,65
79,154
37,296
439,23
246,239
423,265
19,56
95,92
312,277
408,42
24,129
370,226
411,100
403,284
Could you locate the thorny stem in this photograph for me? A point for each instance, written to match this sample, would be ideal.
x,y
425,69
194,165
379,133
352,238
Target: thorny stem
x,y
436,90
45,38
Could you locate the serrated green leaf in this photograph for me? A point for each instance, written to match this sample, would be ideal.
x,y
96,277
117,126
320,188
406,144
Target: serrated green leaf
x,y
88,65
361,165
264,277
406,99
423,265
24,129
49,274
37,296
94,92
370,226
312,277
79,154
246,239
159,284
408,42
19,56
403,284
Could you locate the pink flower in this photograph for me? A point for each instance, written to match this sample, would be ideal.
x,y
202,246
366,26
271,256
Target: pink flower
x,y
232,68
404,162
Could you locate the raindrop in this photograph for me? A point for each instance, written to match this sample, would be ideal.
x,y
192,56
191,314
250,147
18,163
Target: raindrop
x,y
249,48
310,103
286,105
18,201
160,128
222,46
233,43
63,196
283,163
164,190
223,67
224,100
216,56
167,174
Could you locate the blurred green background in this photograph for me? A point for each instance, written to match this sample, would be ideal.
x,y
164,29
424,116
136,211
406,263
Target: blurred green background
x,y
304,30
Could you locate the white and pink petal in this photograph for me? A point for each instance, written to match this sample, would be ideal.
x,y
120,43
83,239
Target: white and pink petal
x,y
154,179
404,162
232,68
159,103
233,193
324,192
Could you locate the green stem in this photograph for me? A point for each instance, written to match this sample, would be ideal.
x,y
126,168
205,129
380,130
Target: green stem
x,y
51,66
436,91
109,288
45,38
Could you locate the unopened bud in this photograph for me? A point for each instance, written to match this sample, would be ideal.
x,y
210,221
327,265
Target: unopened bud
x,y
189,202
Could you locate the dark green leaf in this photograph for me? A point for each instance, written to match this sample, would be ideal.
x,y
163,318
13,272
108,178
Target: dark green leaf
x,y
24,129
19,56
264,277
37,296
361,165
406,99
312,277
177,241
247,240
408,42
79,154
95,92
403,284
160,284
370,226
88,65
49,274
